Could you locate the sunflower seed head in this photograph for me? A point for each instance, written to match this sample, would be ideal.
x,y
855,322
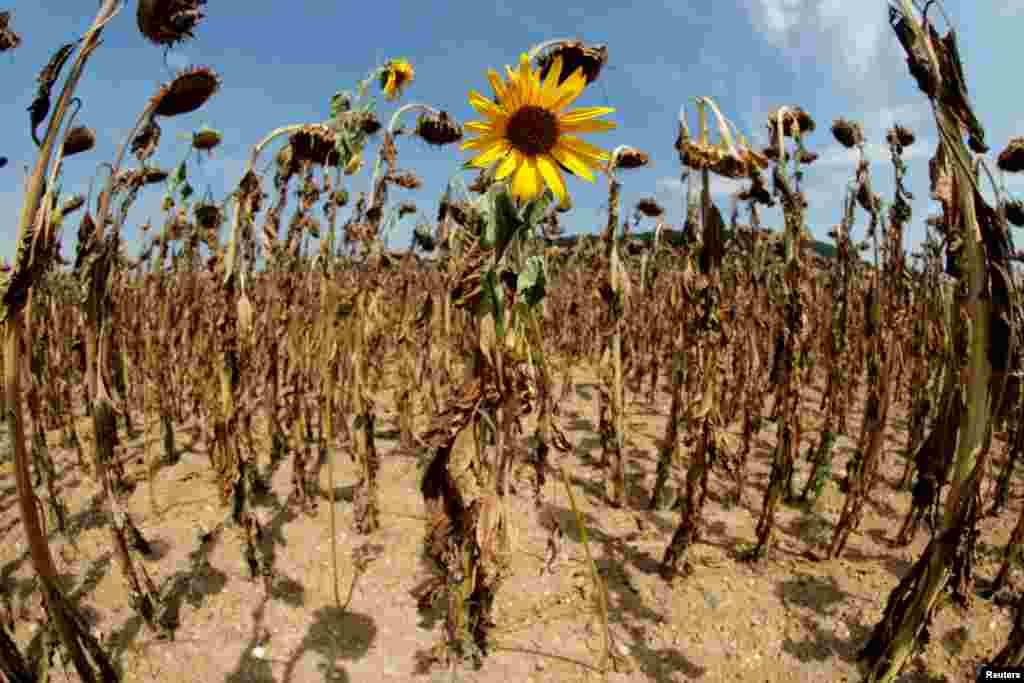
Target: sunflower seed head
x,y
848,133
575,55
439,129
189,91
79,139
168,22
1011,159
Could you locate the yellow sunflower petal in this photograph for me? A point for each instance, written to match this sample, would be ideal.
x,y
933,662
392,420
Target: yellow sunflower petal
x,y
584,114
510,94
583,148
488,157
496,85
526,80
570,90
481,142
593,126
526,183
575,164
484,106
550,89
508,165
482,127
552,177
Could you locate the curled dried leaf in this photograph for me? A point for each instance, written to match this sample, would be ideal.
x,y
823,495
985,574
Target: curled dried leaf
x,y
649,207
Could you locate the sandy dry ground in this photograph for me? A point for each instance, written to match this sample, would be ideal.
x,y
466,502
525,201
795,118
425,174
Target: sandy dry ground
x,y
786,619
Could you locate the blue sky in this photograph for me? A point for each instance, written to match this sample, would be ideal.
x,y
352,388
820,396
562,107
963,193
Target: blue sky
x,y
281,62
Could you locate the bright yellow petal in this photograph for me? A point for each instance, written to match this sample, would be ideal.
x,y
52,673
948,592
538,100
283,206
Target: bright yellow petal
x,y
526,80
496,85
552,176
593,126
584,114
481,143
550,90
483,127
508,165
570,90
575,164
491,155
526,183
484,106
583,148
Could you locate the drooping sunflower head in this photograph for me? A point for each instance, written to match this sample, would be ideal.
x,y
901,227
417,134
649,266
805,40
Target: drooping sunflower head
x,y
396,74
529,134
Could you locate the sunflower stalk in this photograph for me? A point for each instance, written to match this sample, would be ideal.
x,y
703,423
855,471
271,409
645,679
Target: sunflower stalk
x,y
912,604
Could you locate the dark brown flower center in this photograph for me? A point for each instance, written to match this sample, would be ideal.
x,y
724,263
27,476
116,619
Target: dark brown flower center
x,y
532,130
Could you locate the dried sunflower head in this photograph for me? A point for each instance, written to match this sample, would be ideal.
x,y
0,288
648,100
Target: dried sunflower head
x,y
314,143
901,135
208,215
649,207
630,157
848,133
1015,212
189,90
575,55
790,116
166,22
8,38
406,179
77,140
395,76
146,140
438,130
1011,159
205,139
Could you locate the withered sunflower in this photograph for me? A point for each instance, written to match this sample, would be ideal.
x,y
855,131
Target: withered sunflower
x,y
529,133
397,74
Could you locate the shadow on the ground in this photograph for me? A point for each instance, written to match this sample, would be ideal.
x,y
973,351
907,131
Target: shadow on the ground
x,y
813,601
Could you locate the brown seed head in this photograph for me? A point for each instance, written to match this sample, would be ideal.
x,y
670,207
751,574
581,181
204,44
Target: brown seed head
x,y
77,140
146,140
900,135
631,157
1011,159
166,22
575,55
649,207
205,139
848,133
314,143
208,215
796,114
189,90
438,130
406,179
8,38
1015,212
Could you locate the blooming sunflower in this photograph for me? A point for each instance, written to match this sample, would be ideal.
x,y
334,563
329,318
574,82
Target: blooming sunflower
x,y
396,74
529,133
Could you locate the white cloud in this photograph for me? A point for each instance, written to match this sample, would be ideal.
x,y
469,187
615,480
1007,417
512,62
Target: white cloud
x,y
852,31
